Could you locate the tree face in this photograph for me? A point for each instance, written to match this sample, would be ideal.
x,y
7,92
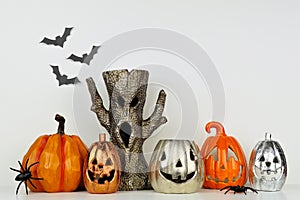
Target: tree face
x,y
127,100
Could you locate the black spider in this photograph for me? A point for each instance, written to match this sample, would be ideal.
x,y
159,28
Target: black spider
x,y
238,189
25,175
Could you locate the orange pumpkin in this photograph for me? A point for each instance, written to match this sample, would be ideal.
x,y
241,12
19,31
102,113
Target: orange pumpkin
x,y
102,167
60,158
225,162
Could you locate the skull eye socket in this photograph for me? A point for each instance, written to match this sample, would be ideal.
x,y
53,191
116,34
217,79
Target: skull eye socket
x,y
262,158
275,160
121,101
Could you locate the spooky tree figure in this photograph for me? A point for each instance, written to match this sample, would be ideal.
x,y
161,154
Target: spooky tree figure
x,y
124,121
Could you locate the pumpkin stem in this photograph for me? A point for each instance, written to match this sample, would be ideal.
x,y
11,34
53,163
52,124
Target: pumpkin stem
x,y
268,136
102,137
61,124
217,125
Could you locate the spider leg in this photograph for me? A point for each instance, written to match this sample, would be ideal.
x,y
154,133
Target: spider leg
x,y
34,178
253,190
21,166
32,184
227,191
26,164
18,187
15,170
224,188
32,165
245,192
26,187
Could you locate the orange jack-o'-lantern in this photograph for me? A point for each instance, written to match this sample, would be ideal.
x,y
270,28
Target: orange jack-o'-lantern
x,y
225,162
102,167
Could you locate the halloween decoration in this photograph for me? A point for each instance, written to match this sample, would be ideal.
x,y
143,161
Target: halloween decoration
x,y
59,40
25,175
60,158
225,162
124,121
63,79
267,166
85,58
102,167
176,167
238,189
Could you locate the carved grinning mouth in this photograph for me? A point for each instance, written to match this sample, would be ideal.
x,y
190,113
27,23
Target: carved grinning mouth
x,y
268,171
226,180
101,180
268,174
179,179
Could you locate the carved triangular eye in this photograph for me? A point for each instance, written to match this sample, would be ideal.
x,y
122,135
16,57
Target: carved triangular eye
x,y
231,154
134,102
108,162
213,153
94,162
275,160
163,157
262,158
192,156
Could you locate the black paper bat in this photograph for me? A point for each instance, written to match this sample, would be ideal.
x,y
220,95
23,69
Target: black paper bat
x,y
63,79
86,58
59,40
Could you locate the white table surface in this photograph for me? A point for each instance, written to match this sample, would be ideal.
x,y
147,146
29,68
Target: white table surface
x,y
287,193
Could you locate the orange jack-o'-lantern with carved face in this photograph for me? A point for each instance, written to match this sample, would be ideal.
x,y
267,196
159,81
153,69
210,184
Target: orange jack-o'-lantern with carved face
x,y
225,162
102,168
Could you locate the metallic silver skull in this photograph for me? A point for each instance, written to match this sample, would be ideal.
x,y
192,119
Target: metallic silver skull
x,y
268,167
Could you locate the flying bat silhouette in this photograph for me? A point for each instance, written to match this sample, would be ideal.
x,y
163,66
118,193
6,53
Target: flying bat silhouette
x,y
63,79
59,40
85,58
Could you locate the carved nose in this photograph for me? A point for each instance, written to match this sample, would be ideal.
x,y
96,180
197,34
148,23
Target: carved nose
x,y
178,164
268,164
125,132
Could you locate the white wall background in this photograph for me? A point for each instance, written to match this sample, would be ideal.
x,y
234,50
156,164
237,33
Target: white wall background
x,y
254,45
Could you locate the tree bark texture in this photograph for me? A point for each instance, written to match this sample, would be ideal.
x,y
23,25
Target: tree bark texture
x,y
124,121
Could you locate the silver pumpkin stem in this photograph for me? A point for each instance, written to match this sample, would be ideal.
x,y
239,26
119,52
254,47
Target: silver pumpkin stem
x,y
268,136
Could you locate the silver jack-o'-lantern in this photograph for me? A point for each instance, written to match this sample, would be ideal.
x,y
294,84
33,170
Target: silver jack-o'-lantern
x,y
176,167
267,167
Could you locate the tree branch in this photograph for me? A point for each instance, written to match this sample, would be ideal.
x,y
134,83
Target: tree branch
x,y
97,104
156,119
